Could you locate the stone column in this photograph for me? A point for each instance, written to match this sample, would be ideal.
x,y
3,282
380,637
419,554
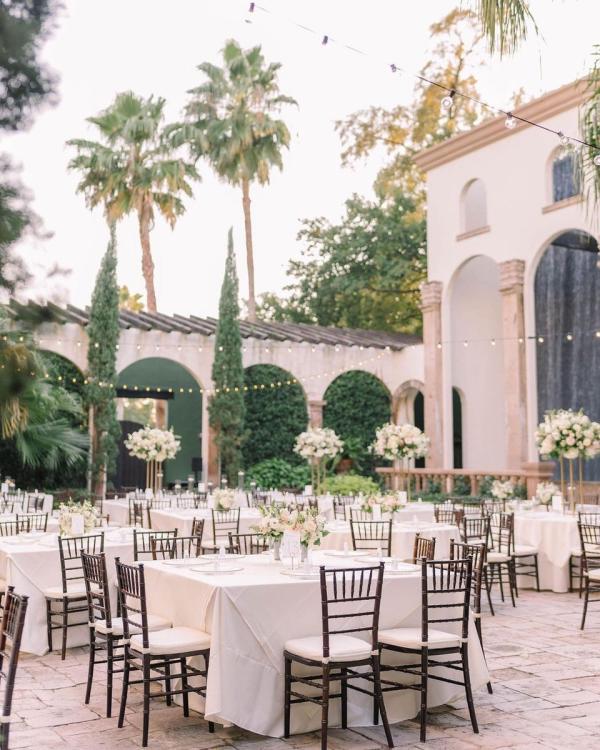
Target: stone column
x,y
315,412
431,305
210,453
514,352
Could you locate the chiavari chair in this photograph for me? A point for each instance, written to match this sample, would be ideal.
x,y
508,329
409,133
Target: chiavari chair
x,y
445,596
223,522
198,527
162,503
142,542
247,544
423,548
164,652
589,518
492,507
372,535
8,528
32,522
461,551
7,506
70,596
339,650
139,512
500,563
33,503
475,530
447,515
357,514
13,619
191,502
339,506
589,534
175,548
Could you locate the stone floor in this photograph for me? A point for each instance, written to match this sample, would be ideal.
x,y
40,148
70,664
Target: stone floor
x,y
546,676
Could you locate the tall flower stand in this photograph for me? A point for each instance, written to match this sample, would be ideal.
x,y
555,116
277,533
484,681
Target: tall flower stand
x,y
154,476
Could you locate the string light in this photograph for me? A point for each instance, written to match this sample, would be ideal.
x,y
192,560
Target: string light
x,y
562,138
448,100
510,121
597,160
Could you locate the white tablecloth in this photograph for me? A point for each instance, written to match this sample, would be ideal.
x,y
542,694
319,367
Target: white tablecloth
x,y
32,566
556,537
250,616
422,512
165,520
403,537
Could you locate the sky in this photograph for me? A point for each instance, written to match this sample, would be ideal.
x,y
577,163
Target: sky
x,y
102,47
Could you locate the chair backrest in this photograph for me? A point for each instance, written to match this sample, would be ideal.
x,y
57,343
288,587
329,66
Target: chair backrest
x,y
9,528
191,501
341,588
198,527
502,533
478,553
6,505
372,535
339,505
131,587
589,535
139,514
423,548
70,549
33,502
446,594
163,503
223,522
11,631
247,544
446,514
476,527
142,542
32,522
357,514
589,518
491,506
97,587
178,547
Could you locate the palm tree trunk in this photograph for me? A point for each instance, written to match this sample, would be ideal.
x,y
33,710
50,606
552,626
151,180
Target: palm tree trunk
x,y
144,219
249,249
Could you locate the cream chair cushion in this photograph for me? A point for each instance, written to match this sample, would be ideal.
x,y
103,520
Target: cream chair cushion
x,y
75,591
522,550
154,623
497,557
179,640
341,648
411,638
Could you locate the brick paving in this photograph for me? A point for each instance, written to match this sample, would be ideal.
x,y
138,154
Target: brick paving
x,y
545,672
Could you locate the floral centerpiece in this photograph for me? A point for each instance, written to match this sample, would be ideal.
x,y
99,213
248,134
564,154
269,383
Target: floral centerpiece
x,y
545,491
318,445
310,524
369,502
391,503
502,490
224,500
273,522
404,441
67,511
153,446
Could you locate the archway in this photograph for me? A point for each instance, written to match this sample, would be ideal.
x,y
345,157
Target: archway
x,y
141,385
567,318
63,372
274,415
356,404
477,363
408,405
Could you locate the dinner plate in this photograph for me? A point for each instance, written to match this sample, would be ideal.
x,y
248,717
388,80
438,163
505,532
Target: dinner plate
x,y
223,570
351,553
181,561
383,559
300,573
212,556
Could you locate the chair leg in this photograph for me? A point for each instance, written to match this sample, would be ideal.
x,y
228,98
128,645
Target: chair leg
x,y
184,687
286,697
211,724
512,581
585,601
379,700
514,577
146,682
424,668
479,630
109,675
537,573
65,630
488,591
468,692
91,662
325,707
49,623
344,699
168,682
580,576
124,688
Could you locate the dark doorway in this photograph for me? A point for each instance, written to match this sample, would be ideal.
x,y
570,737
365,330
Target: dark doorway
x,y
131,472
419,417
457,438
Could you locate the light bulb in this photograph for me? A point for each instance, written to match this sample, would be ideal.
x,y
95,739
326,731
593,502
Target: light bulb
x,y
563,139
510,121
448,100
597,159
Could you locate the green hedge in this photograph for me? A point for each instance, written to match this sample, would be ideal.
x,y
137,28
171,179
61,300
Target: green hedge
x,y
357,403
277,474
274,416
349,484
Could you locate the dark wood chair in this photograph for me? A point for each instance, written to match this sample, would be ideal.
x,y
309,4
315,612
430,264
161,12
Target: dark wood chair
x,y
13,619
337,653
423,548
142,542
32,522
446,596
589,534
588,518
247,544
500,562
70,595
372,535
339,506
163,652
198,527
9,528
175,547
224,522
475,529
139,512
450,516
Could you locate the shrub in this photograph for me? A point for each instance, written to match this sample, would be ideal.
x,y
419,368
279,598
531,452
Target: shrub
x,y
349,484
275,473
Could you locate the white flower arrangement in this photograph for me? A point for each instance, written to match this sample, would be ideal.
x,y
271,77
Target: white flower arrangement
x,y
502,490
545,491
568,434
400,441
391,503
152,444
369,502
270,525
224,499
318,443
308,522
66,512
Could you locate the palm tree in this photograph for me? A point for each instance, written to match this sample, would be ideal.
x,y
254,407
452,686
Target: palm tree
x,y
504,22
134,168
232,125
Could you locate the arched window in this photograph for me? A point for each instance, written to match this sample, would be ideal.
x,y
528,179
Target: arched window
x,y
565,179
474,206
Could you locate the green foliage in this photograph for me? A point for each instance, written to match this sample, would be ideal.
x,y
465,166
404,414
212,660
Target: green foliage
x,y
363,272
462,486
349,484
273,416
590,127
275,473
226,407
63,372
505,23
103,336
357,403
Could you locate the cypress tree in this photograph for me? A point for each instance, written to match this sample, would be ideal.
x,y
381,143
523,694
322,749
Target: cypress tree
x,y
226,408
103,337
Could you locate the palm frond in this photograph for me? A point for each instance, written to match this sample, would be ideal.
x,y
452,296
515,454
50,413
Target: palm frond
x,y
505,23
